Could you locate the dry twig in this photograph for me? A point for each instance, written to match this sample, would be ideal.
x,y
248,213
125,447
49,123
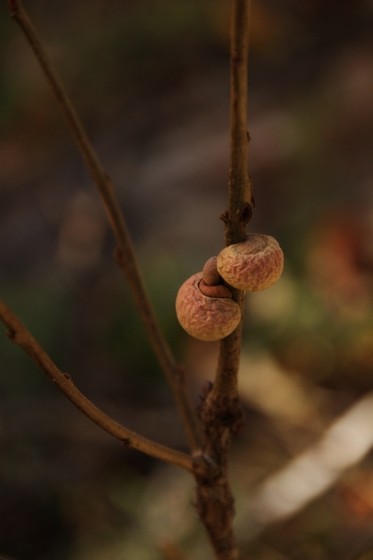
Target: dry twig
x,y
221,411
19,334
125,253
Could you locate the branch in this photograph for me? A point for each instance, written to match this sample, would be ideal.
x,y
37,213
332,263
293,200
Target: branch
x,y
241,202
19,334
221,411
125,253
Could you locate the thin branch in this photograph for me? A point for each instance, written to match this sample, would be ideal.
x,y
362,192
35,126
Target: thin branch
x,y
221,411
241,202
20,335
125,253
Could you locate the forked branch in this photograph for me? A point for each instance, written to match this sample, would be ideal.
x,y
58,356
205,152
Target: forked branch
x,y
220,412
125,253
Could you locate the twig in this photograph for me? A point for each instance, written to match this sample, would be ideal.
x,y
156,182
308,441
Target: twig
x,y
241,202
126,257
19,334
221,411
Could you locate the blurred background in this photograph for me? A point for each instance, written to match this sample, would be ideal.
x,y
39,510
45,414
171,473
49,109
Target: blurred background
x,y
150,80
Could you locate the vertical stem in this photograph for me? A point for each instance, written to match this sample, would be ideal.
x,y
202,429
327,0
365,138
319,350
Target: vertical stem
x,y
240,197
221,412
240,203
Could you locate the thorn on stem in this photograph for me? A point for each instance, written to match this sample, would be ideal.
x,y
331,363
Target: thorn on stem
x,y
225,216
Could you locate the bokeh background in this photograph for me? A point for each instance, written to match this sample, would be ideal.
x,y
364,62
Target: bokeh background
x,y
151,82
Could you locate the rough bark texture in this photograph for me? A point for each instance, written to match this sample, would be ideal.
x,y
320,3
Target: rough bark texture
x,y
220,411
